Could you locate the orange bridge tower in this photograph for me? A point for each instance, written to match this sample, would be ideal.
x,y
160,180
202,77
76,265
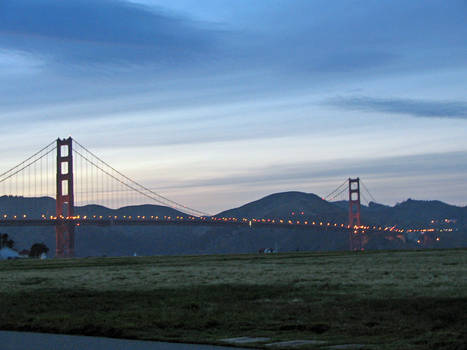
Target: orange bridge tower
x,y
65,232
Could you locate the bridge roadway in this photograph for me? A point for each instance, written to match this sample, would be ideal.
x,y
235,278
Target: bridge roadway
x,y
187,222
207,221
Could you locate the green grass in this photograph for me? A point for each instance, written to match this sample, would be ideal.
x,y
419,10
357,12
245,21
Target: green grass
x,y
388,300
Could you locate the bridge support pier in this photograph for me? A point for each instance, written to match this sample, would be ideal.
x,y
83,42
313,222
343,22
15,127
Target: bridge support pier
x,y
65,233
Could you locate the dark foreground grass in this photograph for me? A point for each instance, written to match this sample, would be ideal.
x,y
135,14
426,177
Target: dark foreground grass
x,y
331,302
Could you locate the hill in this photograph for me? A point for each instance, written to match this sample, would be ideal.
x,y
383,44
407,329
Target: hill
x,y
417,212
150,240
29,206
36,207
134,210
287,205
299,205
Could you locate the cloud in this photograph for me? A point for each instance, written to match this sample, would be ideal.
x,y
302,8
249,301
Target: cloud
x,y
435,164
104,31
305,37
390,179
357,36
13,62
412,107
288,42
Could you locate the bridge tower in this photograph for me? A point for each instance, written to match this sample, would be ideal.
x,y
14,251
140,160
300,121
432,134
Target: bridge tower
x,y
65,232
354,213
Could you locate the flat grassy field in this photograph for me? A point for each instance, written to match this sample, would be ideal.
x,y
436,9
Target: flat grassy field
x,y
387,299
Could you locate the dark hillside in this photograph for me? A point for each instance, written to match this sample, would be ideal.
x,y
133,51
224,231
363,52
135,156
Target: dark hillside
x,y
147,210
150,240
417,213
29,206
289,205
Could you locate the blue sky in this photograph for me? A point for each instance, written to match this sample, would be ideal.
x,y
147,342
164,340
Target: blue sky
x,y
215,103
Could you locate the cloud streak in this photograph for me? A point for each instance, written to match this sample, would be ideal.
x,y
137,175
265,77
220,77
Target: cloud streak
x,y
390,179
435,164
297,37
412,107
95,32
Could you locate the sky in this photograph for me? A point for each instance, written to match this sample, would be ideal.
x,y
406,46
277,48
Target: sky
x,y
215,103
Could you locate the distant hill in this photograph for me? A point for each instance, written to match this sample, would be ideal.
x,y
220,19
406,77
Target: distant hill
x,y
31,207
299,205
286,205
412,213
416,212
35,207
147,210
150,240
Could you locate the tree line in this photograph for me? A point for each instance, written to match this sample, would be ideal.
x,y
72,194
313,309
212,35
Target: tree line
x,y
34,252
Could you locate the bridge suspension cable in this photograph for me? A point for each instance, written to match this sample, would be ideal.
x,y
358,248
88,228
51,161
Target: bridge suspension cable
x,y
339,190
11,172
120,181
344,190
368,191
29,179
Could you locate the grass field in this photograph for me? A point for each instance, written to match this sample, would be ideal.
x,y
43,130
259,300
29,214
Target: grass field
x,y
387,300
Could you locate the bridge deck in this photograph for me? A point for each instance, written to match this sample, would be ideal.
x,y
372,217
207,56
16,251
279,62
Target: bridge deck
x,y
314,226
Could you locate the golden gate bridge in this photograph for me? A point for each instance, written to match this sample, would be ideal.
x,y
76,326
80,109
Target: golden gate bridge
x,y
76,177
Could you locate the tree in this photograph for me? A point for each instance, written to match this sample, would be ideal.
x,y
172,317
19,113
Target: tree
x,y
5,242
37,249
